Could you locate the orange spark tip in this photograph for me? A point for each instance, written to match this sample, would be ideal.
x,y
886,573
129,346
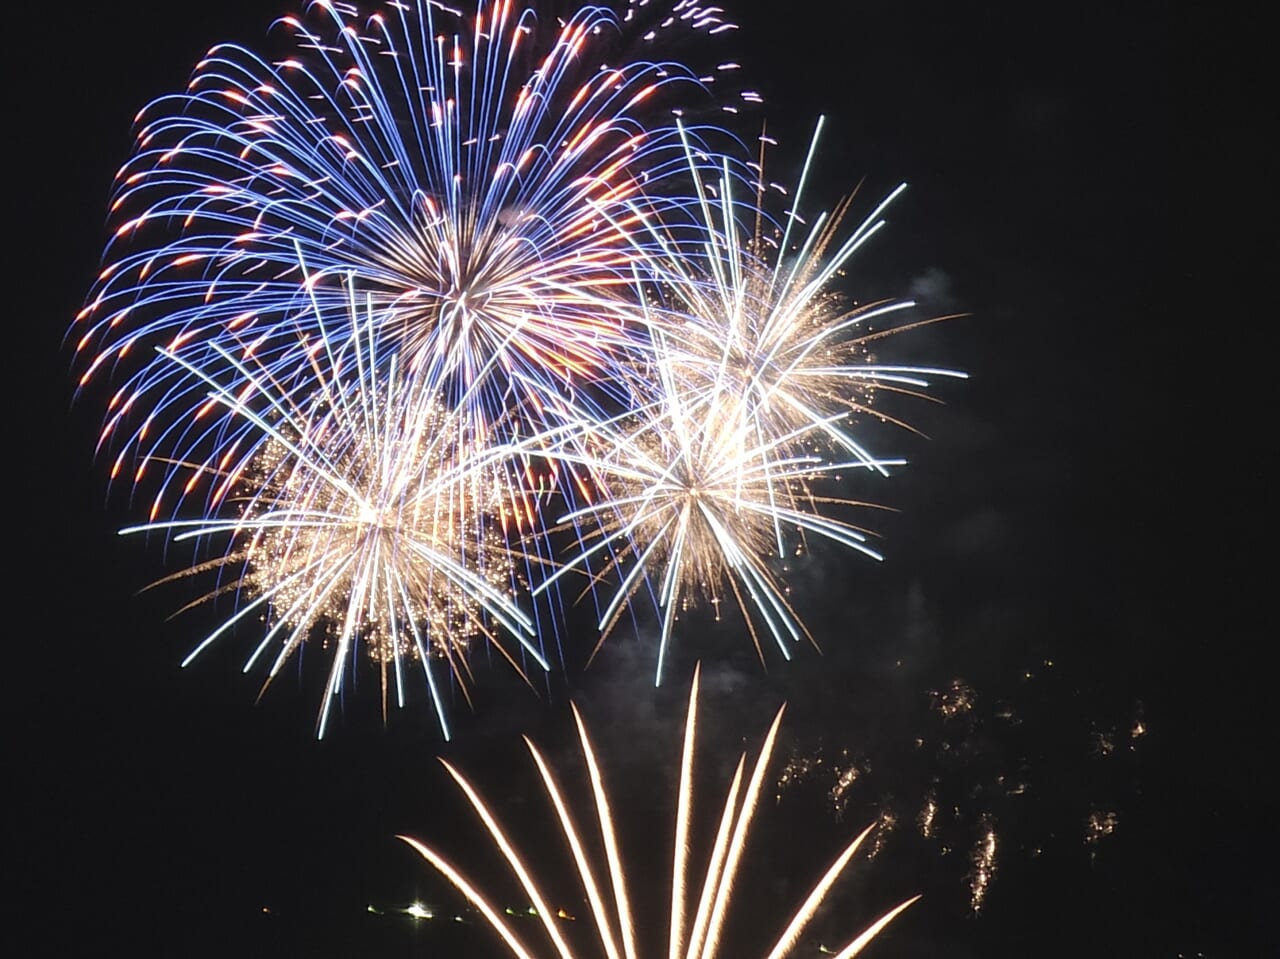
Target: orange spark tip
x,y
577,97
573,141
178,340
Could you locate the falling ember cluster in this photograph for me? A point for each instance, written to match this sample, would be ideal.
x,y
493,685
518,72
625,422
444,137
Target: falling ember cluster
x,y
957,699
982,859
841,772
963,790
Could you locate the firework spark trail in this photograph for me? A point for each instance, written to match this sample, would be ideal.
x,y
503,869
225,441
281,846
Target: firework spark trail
x,y
360,508
612,919
472,172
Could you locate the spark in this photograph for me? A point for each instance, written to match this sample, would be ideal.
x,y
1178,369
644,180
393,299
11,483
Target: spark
x,y
846,777
956,700
927,820
417,910
1099,824
843,773
886,822
982,859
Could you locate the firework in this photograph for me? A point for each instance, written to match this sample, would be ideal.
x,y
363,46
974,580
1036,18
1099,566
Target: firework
x,y
695,929
472,173
692,498
359,511
754,308
755,370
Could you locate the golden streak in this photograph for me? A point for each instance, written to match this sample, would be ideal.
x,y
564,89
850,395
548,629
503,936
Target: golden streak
x,y
611,916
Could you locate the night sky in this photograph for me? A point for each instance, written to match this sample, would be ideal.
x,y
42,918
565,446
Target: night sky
x,y
1056,554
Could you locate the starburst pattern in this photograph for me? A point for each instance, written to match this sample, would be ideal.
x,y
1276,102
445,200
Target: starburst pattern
x,y
472,172
695,504
360,511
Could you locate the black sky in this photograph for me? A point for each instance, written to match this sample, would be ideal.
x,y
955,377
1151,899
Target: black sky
x,y
1056,513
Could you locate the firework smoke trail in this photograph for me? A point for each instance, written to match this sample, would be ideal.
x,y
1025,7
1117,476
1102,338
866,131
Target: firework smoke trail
x,y
695,930
357,510
471,172
756,370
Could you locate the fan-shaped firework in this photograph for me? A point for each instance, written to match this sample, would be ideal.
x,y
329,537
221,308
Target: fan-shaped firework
x,y
358,509
695,930
470,171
